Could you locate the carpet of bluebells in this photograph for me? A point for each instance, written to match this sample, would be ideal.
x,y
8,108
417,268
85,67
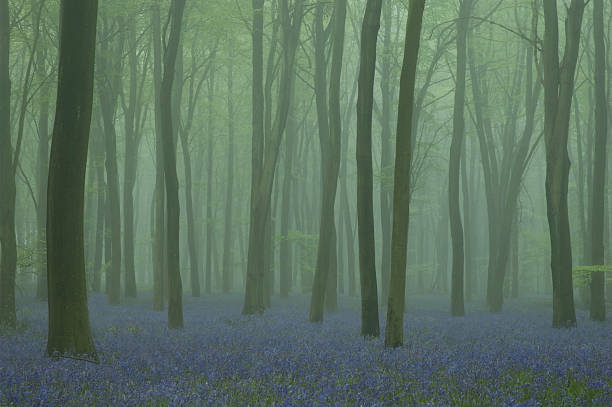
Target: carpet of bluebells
x,y
222,358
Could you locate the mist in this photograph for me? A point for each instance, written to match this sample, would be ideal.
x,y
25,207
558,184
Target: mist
x,y
282,202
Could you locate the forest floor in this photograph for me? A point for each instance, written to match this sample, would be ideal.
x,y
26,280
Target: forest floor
x,y
222,358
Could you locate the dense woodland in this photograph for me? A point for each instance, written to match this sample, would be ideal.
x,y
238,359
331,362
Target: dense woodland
x,y
382,150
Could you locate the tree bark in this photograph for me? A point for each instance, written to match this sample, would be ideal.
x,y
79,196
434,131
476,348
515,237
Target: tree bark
x,y
558,90
598,303
365,212
228,272
69,331
110,71
175,289
456,227
8,243
401,183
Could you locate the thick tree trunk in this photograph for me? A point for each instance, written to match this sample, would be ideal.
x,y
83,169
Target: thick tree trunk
x,y
598,303
69,331
175,288
365,212
8,243
210,225
401,184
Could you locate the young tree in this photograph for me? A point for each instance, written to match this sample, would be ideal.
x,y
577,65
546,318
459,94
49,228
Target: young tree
x,y
69,331
365,211
175,289
401,183
558,90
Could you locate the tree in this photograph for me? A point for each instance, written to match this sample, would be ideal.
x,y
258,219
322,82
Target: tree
x,y
175,289
457,301
228,274
264,157
598,304
329,137
69,331
365,211
109,65
558,90
401,182
8,244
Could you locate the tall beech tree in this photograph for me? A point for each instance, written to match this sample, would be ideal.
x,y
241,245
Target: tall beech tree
x,y
8,243
365,211
69,331
329,137
401,181
454,164
558,90
109,67
175,288
264,156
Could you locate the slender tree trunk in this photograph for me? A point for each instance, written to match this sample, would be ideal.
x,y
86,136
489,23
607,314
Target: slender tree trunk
x,y
43,168
386,165
209,186
109,67
264,162
286,246
100,210
456,227
401,184
69,331
8,243
175,289
325,278
365,212
158,227
228,272
558,90
132,140
598,303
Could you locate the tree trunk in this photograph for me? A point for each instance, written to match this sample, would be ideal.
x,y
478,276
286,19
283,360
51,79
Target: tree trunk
x,y
69,332
558,90
598,303
110,71
175,289
401,183
8,243
386,165
228,272
158,227
209,186
456,228
330,155
264,162
43,169
365,212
